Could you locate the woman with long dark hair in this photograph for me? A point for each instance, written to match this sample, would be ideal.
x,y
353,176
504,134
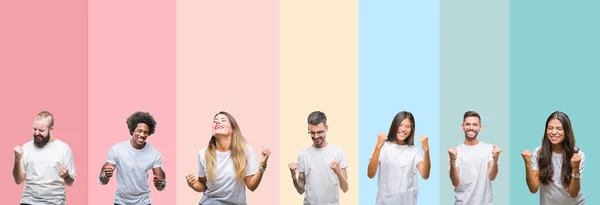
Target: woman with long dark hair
x,y
556,165
399,161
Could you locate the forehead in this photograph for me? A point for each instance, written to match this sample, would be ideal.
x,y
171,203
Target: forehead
x,y
555,123
41,122
405,121
318,127
472,120
142,126
221,116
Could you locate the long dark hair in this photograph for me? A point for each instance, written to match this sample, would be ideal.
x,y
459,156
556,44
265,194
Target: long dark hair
x,y
568,146
393,133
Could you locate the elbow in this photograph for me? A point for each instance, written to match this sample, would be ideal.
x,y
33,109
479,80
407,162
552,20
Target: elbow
x,y
573,195
425,177
455,183
252,189
533,191
345,190
370,175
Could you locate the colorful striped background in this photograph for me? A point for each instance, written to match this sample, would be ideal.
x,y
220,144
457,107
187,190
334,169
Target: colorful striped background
x,y
270,63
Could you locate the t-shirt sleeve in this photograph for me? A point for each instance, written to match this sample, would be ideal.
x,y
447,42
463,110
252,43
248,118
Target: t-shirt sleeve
x,y
300,163
24,163
157,160
201,168
343,159
69,162
112,156
534,160
252,164
491,158
581,164
418,158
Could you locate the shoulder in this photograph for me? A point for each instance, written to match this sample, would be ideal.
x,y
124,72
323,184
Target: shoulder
x,y
537,150
28,145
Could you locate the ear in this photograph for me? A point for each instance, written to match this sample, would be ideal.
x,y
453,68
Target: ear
x,y
52,128
326,127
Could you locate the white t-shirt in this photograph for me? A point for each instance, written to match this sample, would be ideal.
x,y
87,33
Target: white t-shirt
x,y
397,182
554,193
226,189
322,185
41,165
132,166
475,187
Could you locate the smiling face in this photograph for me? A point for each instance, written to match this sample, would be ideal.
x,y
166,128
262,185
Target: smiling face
x,y
471,127
318,133
404,131
140,134
555,132
221,125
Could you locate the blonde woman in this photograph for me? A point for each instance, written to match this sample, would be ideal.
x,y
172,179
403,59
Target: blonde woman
x,y
227,165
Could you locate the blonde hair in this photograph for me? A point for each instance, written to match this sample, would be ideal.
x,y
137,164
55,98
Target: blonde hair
x,y
238,151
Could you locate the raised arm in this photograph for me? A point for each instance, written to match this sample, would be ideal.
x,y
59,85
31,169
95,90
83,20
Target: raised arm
x,y
374,163
531,177
454,177
18,174
253,181
424,167
493,165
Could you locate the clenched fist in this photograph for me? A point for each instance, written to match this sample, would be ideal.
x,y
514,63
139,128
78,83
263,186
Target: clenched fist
x,y
63,172
496,152
381,138
158,181
109,170
292,167
191,179
575,160
265,152
425,143
526,156
453,154
18,152
335,165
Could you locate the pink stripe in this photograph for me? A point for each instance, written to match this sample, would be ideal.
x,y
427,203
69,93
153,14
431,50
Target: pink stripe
x,y
228,59
132,68
43,66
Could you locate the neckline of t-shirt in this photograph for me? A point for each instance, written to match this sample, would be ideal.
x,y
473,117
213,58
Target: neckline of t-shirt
x,y
46,145
397,145
222,153
554,154
135,149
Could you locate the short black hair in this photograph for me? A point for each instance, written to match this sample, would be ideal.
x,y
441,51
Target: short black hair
x,y
141,117
317,117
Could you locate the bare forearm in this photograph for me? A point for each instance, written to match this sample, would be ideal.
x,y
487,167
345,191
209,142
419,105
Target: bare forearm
x,y
198,187
298,184
426,164
18,175
532,182
454,174
494,170
574,186
255,180
373,164
343,182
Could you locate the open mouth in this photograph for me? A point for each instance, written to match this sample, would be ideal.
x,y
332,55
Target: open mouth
x,y
39,138
139,139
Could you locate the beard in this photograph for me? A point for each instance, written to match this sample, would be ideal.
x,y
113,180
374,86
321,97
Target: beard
x,y
41,141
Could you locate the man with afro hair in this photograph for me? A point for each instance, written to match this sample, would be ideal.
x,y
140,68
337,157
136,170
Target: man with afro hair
x,y
132,159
